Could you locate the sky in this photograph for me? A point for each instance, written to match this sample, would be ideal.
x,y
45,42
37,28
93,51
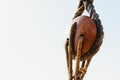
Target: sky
x,y
32,38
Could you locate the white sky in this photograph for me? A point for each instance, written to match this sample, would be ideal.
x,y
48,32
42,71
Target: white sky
x,y
32,35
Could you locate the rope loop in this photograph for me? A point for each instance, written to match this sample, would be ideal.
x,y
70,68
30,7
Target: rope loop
x,y
87,4
83,61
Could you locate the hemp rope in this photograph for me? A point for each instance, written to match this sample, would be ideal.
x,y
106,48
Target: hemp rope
x,y
87,4
84,59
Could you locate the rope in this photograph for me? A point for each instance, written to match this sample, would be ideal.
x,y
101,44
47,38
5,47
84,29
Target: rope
x,y
87,4
85,59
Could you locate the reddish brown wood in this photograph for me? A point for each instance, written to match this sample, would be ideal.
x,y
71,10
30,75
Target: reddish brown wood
x,y
85,27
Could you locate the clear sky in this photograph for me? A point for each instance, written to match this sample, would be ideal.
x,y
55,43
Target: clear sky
x,y
32,35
